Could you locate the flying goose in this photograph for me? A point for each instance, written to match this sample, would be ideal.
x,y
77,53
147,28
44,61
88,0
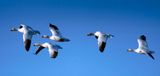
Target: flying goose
x,y
28,32
56,35
52,49
101,38
142,47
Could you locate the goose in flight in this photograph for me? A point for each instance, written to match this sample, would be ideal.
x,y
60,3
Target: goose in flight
x,y
56,35
28,32
101,38
142,47
52,49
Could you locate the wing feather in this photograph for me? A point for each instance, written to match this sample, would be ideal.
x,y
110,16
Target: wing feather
x,y
39,49
101,43
27,44
142,43
54,30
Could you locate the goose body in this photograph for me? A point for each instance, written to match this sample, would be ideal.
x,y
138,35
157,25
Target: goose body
x,y
56,35
27,32
101,38
52,49
142,47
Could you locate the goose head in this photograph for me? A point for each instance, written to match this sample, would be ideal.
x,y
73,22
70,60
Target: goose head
x,y
130,50
13,29
45,36
19,29
37,44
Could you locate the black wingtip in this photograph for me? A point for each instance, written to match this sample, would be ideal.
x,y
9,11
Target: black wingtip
x,y
101,51
27,44
39,49
54,55
53,26
102,47
64,40
143,37
151,56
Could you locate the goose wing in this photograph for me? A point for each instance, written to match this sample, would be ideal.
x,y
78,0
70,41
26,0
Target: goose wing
x,y
54,30
27,40
29,28
39,49
54,54
92,34
34,32
150,55
101,43
27,44
53,51
142,43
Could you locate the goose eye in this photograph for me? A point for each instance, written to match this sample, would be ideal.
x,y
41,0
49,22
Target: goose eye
x,y
20,27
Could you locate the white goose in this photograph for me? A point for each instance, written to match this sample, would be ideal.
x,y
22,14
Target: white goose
x,y
101,38
52,49
56,35
28,32
142,47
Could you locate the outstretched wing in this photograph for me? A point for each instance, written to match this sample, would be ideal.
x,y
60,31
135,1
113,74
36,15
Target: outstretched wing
x,y
92,34
39,49
142,43
27,40
102,46
150,55
54,54
54,30
34,32
101,43
27,44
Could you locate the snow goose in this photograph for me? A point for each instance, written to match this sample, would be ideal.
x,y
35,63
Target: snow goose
x,y
56,35
28,32
52,49
101,37
142,47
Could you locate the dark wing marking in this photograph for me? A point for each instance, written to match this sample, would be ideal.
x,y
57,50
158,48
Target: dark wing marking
x,y
64,40
142,37
149,54
96,37
27,44
53,26
39,49
54,55
54,29
102,46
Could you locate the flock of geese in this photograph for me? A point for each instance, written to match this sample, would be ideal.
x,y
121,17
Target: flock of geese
x,y
28,32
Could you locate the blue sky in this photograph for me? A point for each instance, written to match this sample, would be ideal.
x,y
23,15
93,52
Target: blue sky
x,y
126,19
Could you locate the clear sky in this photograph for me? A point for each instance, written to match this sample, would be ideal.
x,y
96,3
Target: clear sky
x,y
126,19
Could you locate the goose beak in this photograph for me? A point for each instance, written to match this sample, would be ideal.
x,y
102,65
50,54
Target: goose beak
x,y
13,29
